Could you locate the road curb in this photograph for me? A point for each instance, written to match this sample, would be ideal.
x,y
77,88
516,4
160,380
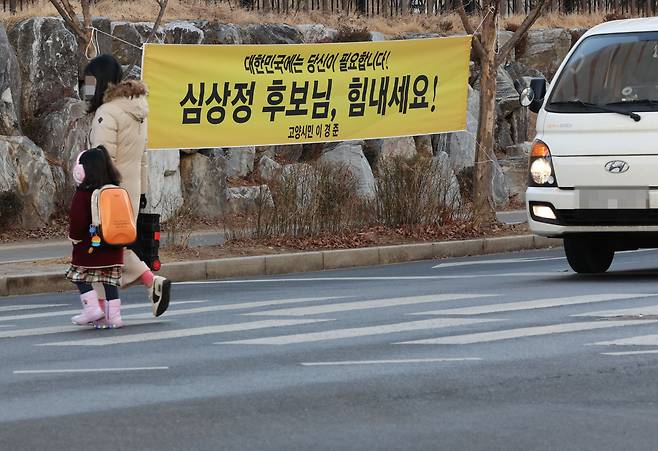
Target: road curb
x,y
297,262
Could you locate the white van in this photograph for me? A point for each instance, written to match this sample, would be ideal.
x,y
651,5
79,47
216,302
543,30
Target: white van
x,y
593,175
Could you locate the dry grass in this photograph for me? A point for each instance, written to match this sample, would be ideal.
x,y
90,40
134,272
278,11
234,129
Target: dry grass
x,y
191,9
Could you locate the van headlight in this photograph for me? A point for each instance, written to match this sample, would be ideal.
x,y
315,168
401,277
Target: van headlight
x,y
541,166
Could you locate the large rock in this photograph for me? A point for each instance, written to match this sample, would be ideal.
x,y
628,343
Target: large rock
x,y
62,133
48,57
10,88
182,32
499,188
317,33
240,161
271,34
268,169
424,145
441,143
503,134
515,171
507,97
289,153
164,194
220,33
448,185
102,43
351,156
125,46
518,70
377,36
130,37
404,147
461,147
27,181
503,37
545,49
204,184
246,199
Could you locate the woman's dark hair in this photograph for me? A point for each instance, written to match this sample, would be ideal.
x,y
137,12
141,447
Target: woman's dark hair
x,y
107,70
99,170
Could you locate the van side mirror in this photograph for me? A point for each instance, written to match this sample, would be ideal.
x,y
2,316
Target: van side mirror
x,y
531,92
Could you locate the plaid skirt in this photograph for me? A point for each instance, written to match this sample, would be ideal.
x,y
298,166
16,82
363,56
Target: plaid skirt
x,y
110,275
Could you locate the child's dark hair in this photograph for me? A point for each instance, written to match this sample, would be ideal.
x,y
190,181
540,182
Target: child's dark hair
x,y
99,170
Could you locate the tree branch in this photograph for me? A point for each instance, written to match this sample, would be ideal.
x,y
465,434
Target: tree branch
x,y
67,12
477,45
523,28
163,6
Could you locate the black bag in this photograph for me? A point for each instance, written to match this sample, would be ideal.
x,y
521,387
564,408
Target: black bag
x,y
147,246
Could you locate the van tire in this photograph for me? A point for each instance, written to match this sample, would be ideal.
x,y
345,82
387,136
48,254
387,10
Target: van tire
x,y
587,255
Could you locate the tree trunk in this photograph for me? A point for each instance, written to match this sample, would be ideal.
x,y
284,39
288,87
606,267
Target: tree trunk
x,y
482,173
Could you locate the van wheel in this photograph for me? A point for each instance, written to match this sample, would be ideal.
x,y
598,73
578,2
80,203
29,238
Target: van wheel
x,y
588,256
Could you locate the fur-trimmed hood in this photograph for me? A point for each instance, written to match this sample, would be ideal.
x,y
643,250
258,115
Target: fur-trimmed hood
x,y
127,88
130,96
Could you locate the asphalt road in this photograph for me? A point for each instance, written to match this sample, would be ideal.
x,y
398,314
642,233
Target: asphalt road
x,y
505,352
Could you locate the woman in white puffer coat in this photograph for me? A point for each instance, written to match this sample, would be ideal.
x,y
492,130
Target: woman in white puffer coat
x,y
120,109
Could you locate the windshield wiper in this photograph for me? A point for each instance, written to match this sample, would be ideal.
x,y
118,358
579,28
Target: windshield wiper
x,y
636,102
604,108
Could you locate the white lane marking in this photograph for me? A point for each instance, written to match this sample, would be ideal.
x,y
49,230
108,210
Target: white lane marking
x,y
379,362
181,333
360,331
485,337
244,305
60,329
642,340
491,262
368,304
534,304
11,308
634,251
636,311
651,351
370,279
73,312
91,370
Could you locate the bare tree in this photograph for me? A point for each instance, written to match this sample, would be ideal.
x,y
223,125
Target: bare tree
x,y
485,46
83,30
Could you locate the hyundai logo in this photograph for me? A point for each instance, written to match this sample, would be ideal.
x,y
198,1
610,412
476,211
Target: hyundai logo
x,y
617,166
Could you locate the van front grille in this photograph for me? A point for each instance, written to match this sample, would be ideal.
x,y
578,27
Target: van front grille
x,y
608,217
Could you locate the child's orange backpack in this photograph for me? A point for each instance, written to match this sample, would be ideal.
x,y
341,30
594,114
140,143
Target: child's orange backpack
x,y
112,216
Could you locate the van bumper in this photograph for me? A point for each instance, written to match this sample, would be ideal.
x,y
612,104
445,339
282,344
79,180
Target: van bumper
x,y
570,219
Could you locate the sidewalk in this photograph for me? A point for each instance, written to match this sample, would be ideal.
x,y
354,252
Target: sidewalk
x,y
30,251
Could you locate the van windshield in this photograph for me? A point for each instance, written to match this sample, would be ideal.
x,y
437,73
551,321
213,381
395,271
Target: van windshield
x,y
614,70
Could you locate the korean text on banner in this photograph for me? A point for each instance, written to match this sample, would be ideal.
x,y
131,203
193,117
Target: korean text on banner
x,y
204,96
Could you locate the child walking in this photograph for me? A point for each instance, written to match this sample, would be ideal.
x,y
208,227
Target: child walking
x,y
91,263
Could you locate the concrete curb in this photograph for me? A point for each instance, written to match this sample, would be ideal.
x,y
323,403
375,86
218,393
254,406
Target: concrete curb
x,y
297,263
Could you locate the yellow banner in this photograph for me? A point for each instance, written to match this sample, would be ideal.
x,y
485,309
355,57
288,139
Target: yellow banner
x,y
204,96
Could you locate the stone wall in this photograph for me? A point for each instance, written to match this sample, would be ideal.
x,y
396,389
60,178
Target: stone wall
x,y
44,122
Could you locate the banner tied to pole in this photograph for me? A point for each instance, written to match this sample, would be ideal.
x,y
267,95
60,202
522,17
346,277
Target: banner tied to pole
x,y
205,96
